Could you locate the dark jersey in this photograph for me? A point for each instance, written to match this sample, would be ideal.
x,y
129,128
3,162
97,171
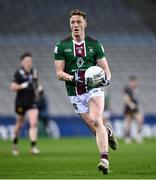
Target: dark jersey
x,y
24,97
78,57
133,95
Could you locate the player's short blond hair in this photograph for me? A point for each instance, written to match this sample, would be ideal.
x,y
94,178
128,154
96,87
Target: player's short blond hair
x,y
79,13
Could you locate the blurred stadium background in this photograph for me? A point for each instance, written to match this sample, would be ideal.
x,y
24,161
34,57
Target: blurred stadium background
x,y
127,29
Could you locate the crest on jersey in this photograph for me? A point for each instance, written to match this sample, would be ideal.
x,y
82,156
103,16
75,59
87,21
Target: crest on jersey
x,y
91,50
80,62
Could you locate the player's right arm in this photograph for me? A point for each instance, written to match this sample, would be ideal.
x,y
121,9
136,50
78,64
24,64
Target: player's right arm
x,y
61,74
128,101
60,63
16,85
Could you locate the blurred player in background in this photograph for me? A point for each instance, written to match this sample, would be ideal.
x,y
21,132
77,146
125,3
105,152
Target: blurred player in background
x,y
132,110
27,88
73,56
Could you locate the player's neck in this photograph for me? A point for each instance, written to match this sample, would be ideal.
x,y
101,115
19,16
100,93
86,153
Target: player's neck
x,y
78,38
27,70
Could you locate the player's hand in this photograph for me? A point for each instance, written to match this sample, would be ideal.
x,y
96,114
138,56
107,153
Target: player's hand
x,y
40,89
132,106
105,81
89,81
26,84
35,75
76,78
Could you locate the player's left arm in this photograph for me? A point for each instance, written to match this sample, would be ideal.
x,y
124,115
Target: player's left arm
x,y
36,83
102,62
101,59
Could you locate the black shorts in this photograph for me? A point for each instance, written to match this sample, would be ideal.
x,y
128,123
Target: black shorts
x,y
22,109
129,111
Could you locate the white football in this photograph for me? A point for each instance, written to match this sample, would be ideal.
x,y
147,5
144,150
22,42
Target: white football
x,y
94,75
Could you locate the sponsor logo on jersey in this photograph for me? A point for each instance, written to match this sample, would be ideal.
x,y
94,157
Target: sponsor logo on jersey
x,y
67,50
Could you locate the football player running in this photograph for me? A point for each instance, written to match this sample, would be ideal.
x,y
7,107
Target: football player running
x,y
132,110
73,56
27,88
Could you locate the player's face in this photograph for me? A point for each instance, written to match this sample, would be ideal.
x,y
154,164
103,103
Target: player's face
x,y
134,84
27,63
77,25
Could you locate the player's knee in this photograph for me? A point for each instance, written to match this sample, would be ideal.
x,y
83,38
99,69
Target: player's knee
x,y
19,125
95,123
33,125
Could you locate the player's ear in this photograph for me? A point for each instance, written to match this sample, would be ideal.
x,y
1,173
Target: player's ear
x,y
85,24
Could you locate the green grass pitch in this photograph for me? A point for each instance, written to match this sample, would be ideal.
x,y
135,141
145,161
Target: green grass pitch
x,y
77,158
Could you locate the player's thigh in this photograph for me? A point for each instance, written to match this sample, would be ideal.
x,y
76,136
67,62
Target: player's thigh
x,y
79,104
32,115
87,119
128,119
96,106
139,117
19,120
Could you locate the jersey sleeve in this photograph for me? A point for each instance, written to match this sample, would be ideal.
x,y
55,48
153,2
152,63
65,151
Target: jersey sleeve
x,y
17,77
127,91
100,53
58,51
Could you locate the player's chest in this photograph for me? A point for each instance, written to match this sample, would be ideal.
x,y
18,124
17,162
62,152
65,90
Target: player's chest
x,y
25,77
74,50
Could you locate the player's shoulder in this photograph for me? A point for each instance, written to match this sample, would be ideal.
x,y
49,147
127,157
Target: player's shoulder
x,y
20,71
127,89
91,39
67,39
64,40
95,43
61,44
